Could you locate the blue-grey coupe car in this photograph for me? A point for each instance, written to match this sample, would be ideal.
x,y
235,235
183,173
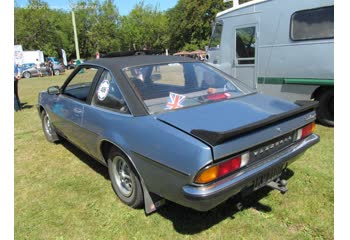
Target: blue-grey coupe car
x,y
174,128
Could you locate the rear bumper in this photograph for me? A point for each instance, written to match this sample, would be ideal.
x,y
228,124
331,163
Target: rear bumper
x,y
204,198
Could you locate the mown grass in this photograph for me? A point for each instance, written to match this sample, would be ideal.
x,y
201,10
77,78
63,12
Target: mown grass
x,y
60,193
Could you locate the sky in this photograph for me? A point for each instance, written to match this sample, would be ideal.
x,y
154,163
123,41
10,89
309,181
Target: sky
x,y
124,6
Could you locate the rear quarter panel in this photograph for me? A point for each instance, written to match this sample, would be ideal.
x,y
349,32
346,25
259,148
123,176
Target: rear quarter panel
x,y
165,157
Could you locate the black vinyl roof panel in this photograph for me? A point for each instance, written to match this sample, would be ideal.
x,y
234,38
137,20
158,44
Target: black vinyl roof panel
x,y
118,63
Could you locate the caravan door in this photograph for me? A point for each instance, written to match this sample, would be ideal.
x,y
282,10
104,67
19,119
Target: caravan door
x,y
244,54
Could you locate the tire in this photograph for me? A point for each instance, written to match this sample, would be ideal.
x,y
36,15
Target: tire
x,y
27,75
325,110
124,180
48,129
56,72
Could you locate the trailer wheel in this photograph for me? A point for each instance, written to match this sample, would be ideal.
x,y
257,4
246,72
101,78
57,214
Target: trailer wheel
x,y
325,110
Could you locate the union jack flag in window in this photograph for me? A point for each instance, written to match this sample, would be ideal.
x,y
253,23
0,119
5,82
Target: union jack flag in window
x,y
175,101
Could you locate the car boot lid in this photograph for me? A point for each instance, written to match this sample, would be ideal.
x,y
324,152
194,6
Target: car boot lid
x,y
220,124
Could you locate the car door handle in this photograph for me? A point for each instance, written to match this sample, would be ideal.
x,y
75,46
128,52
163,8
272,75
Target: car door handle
x,y
77,110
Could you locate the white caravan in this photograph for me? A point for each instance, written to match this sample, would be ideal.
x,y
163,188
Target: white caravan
x,y
283,48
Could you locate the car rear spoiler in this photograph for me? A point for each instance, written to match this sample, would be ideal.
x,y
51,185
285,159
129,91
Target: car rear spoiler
x,y
216,138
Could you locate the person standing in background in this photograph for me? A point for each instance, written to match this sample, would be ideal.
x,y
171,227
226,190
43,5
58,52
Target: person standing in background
x,y
17,76
37,66
51,67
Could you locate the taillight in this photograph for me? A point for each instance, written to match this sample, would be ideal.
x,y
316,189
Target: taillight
x,y
222,169
306,131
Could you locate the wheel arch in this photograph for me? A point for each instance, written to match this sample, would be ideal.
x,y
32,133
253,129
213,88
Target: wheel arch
x,y
105,148
151,200
319,91
41,109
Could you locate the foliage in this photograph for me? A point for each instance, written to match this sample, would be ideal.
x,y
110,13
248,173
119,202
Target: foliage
x,y
190,22
187,26
38,27
144,28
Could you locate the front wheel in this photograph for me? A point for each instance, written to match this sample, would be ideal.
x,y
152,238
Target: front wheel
x,y
56,72
124,180
48,129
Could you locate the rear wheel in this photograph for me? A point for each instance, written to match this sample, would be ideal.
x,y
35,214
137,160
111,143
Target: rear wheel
x,y
124,180
325,110
48,129
56,72
26,74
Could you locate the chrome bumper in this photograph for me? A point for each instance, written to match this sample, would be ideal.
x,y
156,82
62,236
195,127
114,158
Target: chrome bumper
x,y
229,186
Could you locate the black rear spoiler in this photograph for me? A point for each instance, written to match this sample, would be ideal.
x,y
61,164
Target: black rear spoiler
x,y
216,138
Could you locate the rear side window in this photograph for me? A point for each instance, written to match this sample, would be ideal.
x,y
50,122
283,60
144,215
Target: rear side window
x,y
107,94
312,24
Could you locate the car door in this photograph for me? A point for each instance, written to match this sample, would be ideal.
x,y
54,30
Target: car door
x,y
107,115
70,104
245,52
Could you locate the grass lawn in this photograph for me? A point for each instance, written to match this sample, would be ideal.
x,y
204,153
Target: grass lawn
x,y
60,193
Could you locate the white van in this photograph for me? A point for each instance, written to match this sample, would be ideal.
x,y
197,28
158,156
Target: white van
x,y
283,48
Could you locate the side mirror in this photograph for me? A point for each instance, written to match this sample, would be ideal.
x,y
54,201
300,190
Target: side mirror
x,y
54,90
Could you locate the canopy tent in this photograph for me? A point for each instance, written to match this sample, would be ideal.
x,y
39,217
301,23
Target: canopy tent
x,y
183,53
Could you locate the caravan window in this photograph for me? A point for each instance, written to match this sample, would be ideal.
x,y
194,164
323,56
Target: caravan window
x,y
312,24
216,36
245,45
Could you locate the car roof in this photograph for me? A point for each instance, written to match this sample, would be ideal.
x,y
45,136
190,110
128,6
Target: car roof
x,y
118,63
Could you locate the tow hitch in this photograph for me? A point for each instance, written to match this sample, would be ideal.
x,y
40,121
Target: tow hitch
x,y
279,184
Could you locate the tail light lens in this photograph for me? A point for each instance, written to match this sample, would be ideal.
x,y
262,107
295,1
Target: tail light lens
x,y
306,131
222,169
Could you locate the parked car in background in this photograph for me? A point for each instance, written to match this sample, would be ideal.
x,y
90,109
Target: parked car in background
x,y
26,66
73,63
29,70
58,69
176,128
55,60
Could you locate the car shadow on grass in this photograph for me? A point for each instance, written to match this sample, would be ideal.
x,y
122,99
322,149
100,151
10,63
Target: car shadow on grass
x,y
186,220
189,221
26,106
85,158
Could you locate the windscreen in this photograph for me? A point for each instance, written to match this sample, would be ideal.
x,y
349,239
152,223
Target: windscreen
x,y
173,86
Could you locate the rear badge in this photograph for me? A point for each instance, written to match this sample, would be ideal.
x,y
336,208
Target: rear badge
x,y
311,116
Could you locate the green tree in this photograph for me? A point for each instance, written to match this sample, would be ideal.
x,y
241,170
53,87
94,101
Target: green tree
x,y
104,35
144,27
39,28
86,15
190,23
